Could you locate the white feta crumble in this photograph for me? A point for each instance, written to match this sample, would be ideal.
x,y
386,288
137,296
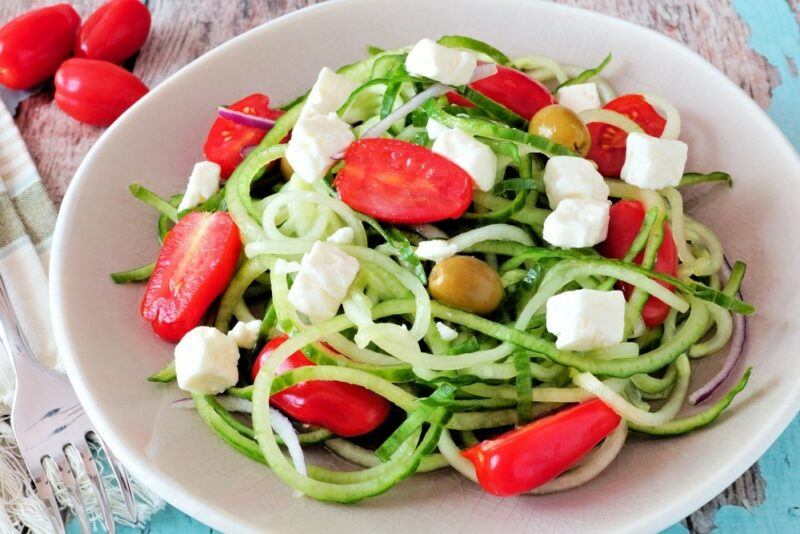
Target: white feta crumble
x,y
446,333
325,275
579,97
446,65
315,140
572,177
206,361
245,334
474,157
586,319
342,236
203,184
435,250
652,162
577,223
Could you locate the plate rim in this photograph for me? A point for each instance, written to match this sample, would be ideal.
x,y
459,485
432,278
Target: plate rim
x,y
142,469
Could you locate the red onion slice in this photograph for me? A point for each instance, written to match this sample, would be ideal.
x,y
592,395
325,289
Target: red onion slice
x,y
244,119
735,351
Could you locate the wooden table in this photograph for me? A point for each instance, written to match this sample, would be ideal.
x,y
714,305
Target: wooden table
x,y
754,42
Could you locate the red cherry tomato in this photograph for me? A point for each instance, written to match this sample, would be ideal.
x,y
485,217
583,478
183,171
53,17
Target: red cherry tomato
x,y
33,45
344,409
399,182
608,142
227,139
529,456
114,32
96,92
513,89
194,267
625,220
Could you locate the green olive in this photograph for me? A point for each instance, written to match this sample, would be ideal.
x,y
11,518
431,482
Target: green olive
x,y
286,170
563,126
467,283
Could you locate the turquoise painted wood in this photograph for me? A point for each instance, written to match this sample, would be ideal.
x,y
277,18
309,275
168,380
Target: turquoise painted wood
x,y
775,34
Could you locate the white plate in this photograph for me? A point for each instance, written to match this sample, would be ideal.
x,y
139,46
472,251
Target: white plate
x,y
109,350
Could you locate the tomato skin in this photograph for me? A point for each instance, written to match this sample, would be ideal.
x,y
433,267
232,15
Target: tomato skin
x,y
114,32
625,220
345,409
34,44
195,265
96,92
399,182
527,457
609,142
226,139
513,89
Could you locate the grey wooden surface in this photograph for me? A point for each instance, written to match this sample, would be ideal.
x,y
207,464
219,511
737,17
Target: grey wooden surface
x,y
184,29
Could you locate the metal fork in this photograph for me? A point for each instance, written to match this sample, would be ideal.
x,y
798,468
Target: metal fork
x,y
47,419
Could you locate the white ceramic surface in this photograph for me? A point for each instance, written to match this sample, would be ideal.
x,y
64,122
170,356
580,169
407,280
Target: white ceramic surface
x,y
109,350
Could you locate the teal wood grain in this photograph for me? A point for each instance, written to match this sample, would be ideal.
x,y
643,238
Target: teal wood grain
x,y
775,34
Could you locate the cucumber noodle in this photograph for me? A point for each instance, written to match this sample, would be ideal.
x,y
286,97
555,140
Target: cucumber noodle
x,y
504,367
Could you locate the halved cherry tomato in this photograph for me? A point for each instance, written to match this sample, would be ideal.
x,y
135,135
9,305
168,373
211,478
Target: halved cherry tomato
x,y
527,457
399,182
194,267
608,142
344,409
96,92
114,32
33,45
513,89
625,220
227,139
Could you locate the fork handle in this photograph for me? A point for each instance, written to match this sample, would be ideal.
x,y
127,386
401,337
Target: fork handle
x,y
12,337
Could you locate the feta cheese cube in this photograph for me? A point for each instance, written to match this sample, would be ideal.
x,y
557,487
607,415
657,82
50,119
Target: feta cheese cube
x,y
446,65
327,94
653,163
447,333
572,177
314,141
586,319
579,97
245,334
342,236
435,128
325,275
474,157
577,223
435,250
206,361
203,183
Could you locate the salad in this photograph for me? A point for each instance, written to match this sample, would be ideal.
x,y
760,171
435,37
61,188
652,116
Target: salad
x,y
440,257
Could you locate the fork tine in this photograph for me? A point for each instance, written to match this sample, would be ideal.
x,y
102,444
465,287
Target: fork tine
x,y
91,471
68,479
45,493
122,480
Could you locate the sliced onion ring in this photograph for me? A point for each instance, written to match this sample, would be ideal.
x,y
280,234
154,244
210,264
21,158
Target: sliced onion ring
x,y
735,351
244,119
484,70
380,127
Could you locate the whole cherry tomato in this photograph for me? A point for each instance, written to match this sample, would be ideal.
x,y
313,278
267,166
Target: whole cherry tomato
x,y
609,142
227,139
114,32
33,45
400,182
529,456
96,92
345,409
625,221
195,265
